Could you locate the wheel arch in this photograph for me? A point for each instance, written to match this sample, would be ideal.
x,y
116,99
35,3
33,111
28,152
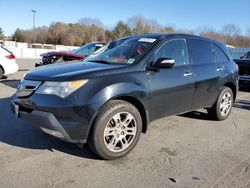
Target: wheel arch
x,y
132,100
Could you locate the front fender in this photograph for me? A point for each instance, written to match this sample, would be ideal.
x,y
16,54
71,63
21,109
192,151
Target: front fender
x,y
121,89
117,90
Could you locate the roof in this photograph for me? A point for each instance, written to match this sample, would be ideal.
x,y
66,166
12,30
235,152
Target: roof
x,y
164,35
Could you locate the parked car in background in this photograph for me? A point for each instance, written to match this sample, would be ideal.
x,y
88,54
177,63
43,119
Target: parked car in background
x,y
78,54
108,46
109,100
244,69
7,62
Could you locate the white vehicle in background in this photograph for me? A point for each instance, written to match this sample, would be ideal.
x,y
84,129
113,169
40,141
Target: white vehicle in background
x,y
7,62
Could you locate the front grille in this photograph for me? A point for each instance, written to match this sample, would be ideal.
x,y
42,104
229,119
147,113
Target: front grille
x,y
27,87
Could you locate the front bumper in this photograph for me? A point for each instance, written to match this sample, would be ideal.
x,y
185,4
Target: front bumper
x,y
73,130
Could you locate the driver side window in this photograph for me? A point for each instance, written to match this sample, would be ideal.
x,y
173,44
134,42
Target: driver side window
x,y
175,49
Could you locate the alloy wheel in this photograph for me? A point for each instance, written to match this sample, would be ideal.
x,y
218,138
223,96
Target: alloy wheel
x,y
225,103
120,131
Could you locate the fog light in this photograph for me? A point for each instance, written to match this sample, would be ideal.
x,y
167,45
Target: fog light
x,y
53,133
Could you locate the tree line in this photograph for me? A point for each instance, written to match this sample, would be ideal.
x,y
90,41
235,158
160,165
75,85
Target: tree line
x,y
88,29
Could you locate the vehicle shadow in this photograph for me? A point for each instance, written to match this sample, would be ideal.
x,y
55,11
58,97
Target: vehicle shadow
x,y
18,133
197,115
4,77
243,104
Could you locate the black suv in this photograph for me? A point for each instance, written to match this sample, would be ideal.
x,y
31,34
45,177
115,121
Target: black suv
x,y
110,99
244,69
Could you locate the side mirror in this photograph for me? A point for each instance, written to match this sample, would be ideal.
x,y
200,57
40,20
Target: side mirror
x,y
164,63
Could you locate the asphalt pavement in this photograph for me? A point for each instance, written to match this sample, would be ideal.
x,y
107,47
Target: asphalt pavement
x,y
188,150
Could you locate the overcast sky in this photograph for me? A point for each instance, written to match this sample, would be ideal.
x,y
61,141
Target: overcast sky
x,y
183,14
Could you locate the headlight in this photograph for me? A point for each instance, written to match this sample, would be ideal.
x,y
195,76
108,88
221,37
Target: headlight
x,y
61,89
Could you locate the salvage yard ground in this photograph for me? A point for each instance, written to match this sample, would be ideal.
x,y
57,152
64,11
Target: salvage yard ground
x,y
188,150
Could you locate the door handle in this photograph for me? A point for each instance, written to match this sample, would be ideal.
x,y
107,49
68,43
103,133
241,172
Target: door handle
x,y
219,69
188,74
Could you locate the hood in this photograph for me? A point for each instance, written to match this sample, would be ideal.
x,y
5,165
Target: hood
x,y
70,71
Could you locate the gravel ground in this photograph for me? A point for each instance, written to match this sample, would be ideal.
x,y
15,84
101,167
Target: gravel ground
x,y
189,150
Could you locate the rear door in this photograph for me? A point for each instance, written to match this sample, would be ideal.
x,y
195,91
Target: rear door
x,y
171,89
208,72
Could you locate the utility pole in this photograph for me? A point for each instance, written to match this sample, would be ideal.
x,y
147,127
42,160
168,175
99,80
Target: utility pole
x,y
34,24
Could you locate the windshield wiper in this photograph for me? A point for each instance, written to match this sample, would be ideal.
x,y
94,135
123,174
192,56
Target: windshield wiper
x,y
99,61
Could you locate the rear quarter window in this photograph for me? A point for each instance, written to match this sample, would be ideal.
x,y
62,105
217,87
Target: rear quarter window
x,y
219,54
201,51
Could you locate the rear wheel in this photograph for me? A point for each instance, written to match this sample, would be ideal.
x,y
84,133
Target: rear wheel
x,y
116,131
223,106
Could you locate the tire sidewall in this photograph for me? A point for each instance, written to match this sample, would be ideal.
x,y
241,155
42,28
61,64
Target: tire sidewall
x,y
98,133
1,73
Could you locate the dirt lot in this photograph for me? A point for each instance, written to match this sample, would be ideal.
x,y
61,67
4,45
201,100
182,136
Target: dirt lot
x,y
189,150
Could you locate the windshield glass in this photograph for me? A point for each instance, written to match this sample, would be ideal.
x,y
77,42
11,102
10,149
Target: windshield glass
x,y
127,52
106,47
88,49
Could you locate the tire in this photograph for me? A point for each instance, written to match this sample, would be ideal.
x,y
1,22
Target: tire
x,y
223,105
1,72
116,130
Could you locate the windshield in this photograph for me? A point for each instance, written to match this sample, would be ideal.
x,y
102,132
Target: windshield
x,y
106,47
88,49
127,52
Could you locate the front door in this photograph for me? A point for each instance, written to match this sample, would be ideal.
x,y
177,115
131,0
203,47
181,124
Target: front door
x,y
171,89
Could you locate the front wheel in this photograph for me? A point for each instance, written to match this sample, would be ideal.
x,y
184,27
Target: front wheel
x,y
116,130
223,106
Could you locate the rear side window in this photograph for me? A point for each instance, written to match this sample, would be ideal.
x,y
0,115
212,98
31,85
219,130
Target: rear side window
x,y
219,54
201,51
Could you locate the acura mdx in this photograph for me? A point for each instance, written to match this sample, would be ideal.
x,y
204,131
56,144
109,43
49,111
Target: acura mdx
x,y
107,101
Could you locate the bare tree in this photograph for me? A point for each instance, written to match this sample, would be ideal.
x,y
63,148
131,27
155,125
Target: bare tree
x,y
91,29
230,31
1,34
57,32
241,41
168,29
248,32
210,33
41,34
91,21
121,29
19,36
139,25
